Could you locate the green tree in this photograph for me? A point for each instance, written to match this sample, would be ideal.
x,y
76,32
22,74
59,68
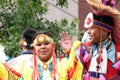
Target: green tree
x,y
17,15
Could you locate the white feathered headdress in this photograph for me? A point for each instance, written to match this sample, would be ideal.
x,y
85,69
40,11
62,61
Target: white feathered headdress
x,y
3,56
107,7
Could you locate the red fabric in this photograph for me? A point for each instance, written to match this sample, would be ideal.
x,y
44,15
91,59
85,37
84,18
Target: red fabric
x,y
110,70
0,78
67,52
117,47
72,70
12,70
116,31
117,51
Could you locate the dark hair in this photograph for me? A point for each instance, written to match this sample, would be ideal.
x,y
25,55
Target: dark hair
x,y
28,36
105,19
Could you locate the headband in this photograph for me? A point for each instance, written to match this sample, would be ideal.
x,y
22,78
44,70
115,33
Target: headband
x,y
41,38
89,22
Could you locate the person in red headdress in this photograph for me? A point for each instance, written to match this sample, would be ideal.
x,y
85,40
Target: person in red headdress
x,y
100,51
107,8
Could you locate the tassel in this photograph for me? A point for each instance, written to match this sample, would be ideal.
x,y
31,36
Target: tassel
x,y
54,61
36,73
86,58
102,77
86,76
117,66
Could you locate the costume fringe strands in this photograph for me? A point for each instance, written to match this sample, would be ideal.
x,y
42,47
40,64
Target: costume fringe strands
x,y
3,72
70,69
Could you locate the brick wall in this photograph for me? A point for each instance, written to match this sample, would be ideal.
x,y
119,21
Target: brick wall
x,y
84,9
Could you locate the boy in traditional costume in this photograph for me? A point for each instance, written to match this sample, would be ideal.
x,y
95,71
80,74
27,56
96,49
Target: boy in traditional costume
x,y
27,41
100,52
107,18
101,56
45,66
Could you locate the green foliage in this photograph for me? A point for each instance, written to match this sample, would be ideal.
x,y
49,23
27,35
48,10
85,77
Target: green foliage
x,y
62,3
16,16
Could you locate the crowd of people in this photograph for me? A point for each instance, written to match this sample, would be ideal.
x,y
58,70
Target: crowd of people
x,y
95,57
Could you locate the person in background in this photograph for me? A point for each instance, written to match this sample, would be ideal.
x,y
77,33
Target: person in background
x,y
27,41
16,65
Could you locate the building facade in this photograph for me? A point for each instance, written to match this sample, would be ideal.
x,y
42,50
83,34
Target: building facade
x,y
58,13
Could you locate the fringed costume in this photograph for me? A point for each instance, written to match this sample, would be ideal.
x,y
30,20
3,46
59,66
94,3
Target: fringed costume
x,y
16,66
101,60
54,68
70,69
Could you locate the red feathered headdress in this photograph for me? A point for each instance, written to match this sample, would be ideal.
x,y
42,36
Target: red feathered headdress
x,y
107,8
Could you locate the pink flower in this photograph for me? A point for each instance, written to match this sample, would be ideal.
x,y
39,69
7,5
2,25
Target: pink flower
x,y
117,66
102,77
86,76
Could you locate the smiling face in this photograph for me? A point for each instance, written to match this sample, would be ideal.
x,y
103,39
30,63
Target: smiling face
x,y
94,33
99,27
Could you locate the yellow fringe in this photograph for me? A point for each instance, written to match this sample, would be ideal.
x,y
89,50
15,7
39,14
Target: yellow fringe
x,y
66,64
3,72
11,76
27,74
78,72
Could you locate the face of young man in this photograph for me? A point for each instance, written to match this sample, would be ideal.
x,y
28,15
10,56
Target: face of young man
x,y
44,50
94,34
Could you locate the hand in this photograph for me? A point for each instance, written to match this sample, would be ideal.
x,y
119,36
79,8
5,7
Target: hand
x,y
66,41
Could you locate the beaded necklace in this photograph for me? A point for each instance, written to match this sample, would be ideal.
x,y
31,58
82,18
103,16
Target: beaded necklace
x,y
45,70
